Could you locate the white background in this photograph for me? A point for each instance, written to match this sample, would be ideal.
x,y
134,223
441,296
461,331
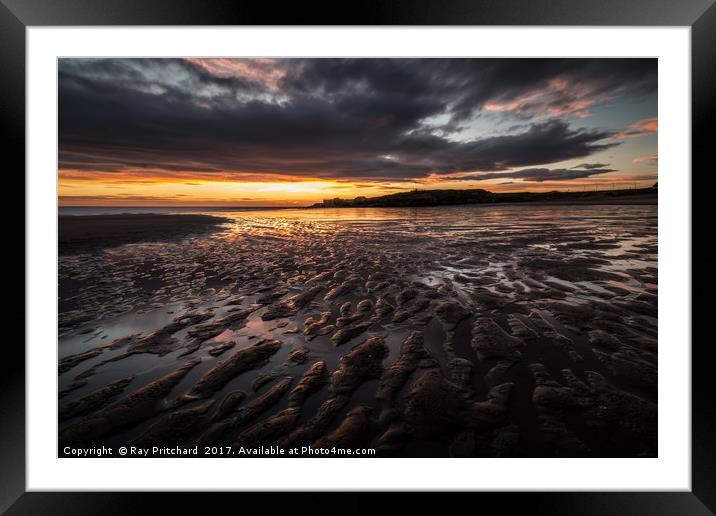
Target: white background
x,y
671,470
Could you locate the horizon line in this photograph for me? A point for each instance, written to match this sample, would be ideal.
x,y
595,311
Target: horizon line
x,y
575,190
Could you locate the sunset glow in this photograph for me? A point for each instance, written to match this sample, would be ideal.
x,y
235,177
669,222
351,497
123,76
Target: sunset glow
x,y
291,132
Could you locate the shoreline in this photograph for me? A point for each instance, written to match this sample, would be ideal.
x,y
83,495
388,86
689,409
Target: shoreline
x,y
78,234
625,200
635,201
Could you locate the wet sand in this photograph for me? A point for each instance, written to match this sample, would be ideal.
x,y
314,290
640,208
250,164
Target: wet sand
x,y
88,233
488,331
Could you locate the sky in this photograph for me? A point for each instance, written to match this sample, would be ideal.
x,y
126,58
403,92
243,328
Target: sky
x,y
291,132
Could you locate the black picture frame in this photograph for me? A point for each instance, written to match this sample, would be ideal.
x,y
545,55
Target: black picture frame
x,y
17,15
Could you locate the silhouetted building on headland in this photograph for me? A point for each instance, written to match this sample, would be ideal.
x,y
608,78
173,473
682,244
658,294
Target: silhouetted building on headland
x,y
336,203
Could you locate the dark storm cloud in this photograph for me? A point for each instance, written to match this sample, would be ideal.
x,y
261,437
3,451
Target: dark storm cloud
x,y
558,86
591,166
370,119
537,175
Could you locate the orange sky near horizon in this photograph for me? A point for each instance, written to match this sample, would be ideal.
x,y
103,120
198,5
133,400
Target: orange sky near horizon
x,y
159,191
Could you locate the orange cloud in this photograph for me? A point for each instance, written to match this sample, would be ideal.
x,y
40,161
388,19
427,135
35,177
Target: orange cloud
x,y
262,70
558,98
641,128
649,158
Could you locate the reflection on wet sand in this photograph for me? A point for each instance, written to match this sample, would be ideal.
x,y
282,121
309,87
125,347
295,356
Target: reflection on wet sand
x,y
461,331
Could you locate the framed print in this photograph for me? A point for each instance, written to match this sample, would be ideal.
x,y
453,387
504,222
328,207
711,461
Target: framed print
x,y
416,250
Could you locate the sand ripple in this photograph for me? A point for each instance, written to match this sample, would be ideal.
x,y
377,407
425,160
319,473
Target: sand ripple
x,y
463,331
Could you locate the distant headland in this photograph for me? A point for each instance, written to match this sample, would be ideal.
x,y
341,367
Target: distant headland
x,y
416,198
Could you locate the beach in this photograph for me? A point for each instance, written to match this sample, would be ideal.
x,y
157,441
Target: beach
x,y
521,330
